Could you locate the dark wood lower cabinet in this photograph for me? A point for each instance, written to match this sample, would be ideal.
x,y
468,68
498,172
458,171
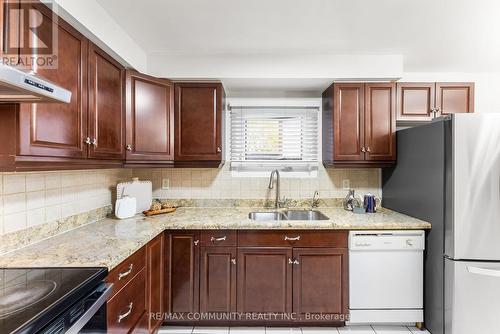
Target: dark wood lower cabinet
x,y
320,282
264,280
155,281
248,280
218,280
127,307
183,273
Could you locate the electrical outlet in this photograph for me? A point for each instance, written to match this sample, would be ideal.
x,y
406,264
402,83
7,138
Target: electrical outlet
x,y
165,184
346,184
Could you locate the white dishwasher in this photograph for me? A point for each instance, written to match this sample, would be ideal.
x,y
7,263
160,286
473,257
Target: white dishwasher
x,y
386,276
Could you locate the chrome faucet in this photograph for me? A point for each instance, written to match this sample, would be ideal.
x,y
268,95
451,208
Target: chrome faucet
x,y
314,200
277,201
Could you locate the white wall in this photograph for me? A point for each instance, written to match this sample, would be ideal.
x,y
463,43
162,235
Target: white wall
x,y
97,25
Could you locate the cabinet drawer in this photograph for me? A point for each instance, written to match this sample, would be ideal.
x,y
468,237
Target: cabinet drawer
x,y
293,238
218,238
127,306
124,272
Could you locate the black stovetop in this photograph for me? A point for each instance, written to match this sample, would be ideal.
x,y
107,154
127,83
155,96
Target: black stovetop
x,y
31,298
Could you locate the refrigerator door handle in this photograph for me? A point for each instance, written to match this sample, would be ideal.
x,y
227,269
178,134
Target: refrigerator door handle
x,y
483,271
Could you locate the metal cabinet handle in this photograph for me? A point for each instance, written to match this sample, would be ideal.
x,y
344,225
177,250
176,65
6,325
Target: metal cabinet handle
x,y
126,273
233,261
296,262
484,271
363,149
128,147
213,239
368,149
87,141
94,142
126,314
297,238
290,261
219,149
196,242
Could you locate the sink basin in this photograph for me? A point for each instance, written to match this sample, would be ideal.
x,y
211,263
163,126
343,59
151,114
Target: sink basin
x,y
288,215
263,216
305,215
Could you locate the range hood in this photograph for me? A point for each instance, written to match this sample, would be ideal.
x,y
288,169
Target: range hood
x,y
19,86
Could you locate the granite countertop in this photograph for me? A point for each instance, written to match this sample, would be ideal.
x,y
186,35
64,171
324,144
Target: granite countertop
x,y
108,242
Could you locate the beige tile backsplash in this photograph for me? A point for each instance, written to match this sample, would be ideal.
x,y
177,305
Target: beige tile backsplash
x,y
219,184
29,199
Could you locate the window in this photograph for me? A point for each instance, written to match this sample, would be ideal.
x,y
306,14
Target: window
x,y
265,138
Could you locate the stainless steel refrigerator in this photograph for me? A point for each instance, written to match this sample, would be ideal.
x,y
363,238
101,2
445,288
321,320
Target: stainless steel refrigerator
x,y
448,173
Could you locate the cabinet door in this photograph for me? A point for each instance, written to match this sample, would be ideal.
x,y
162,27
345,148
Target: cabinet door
x,y
198,121
10,31
454,97
155,280
58,129
106,107
218,280
264,280
348,119
182,290
149,118
320,281
415,101
380,121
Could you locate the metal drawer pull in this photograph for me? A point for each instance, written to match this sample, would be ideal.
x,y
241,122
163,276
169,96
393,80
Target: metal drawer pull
x,y
297,238
126,273
126,314
212,239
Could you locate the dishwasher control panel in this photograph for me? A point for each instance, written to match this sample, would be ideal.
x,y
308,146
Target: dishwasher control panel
x,y
386,240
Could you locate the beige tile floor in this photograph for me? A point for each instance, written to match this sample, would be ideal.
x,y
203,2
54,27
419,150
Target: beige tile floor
x,y
304,330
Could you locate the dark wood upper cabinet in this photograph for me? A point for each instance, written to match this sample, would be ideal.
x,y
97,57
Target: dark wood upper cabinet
x,y
264,280
106,117
423,101
199,113
320,281
10,30
182,289
155,265
150,119
415,101
454,97
348,121
359,124
380,121
58,129
218,280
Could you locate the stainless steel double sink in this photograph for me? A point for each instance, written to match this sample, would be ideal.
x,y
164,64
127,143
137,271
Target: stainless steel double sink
x,y
288,215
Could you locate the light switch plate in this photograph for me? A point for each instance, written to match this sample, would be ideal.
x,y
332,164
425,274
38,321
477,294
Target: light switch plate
x,y
165,184
346,184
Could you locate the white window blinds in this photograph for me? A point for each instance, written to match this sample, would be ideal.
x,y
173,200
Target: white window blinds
x,y
276,136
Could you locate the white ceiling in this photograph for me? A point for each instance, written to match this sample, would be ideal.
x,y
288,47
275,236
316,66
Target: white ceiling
x,y
431,35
